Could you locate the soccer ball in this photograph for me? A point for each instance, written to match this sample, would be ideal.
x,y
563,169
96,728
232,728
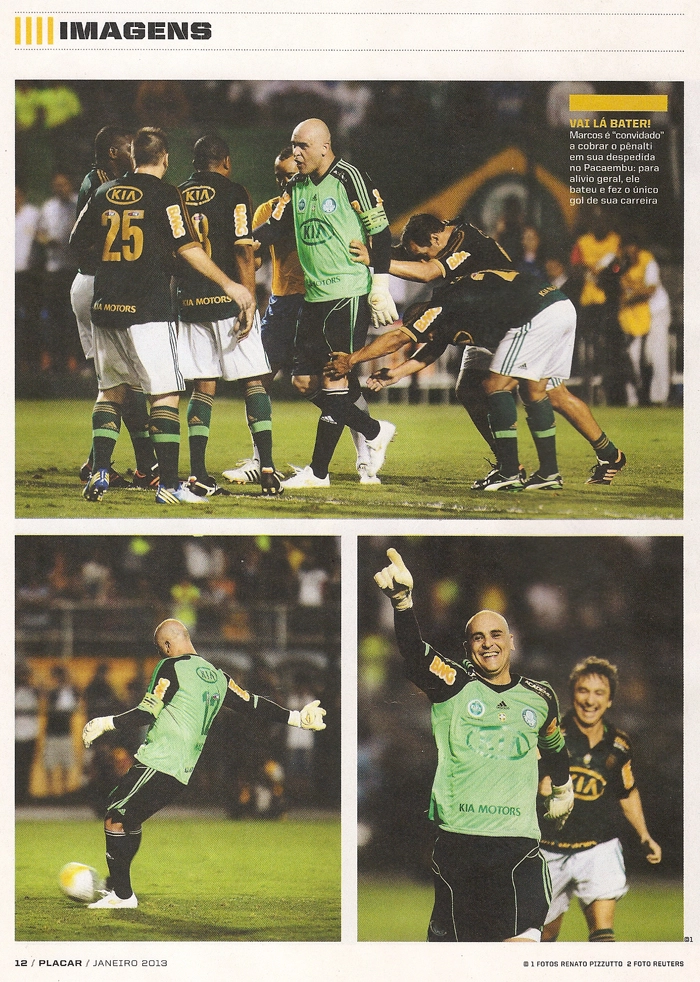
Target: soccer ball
x,y
80,882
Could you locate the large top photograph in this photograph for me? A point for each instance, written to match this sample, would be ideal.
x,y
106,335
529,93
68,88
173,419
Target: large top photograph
x,y
480,281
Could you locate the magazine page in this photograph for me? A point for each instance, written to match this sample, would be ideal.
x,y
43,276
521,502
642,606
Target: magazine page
x,y
430,679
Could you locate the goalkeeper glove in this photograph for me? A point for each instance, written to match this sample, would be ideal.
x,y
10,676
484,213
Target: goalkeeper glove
x,y
380,301
396,581
308,718
560,803
95,728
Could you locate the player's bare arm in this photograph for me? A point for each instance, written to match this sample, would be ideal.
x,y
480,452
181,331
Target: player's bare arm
x,y
195,255
634,813
245,261
422,271
341,363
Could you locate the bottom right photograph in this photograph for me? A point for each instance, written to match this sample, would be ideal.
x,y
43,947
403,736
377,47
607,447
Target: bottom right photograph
x,y
520,738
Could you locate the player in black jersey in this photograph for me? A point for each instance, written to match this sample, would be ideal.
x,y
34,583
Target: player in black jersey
x,y
481,301
112,160
209,346
135,226
585,856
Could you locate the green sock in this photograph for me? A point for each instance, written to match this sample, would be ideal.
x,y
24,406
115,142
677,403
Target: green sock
x,y
503,419
165,432
135,416
198,423
540,419
106,423
259,416
604,448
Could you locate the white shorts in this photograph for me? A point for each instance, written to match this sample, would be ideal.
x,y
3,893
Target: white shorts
x,y
143,354
210,349
81,293
542,348
591,874
478,360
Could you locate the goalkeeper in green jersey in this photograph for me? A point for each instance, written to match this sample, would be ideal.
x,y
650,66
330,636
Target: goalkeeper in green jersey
x,y
326,205
183,699
490,727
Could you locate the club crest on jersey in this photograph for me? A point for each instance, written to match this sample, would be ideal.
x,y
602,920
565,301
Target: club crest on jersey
x,y
476,708
301,204
124,194
207,674
530,718
200,194
329,205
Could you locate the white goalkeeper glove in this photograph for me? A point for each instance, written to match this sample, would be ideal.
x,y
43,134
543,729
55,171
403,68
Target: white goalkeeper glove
x,y
308,718
95,728
381,303
560,802
396,581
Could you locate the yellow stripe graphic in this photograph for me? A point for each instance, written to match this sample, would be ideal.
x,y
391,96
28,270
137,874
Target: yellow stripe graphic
x,y
32,34
618,103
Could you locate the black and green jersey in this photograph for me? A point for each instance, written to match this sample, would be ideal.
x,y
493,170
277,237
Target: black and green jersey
x,y
479,298
468,250
93,180
183,699
221,213
184,707
602,775
479,308
488,738
327,214
134,225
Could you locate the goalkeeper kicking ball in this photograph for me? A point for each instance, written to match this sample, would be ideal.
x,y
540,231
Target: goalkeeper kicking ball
x,y
80,882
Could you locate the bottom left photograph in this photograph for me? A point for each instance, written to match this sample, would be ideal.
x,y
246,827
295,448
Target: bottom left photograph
x,y
177,738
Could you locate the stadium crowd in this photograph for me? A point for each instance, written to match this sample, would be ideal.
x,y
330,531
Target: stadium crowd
x,y
621,599
621,268
265,609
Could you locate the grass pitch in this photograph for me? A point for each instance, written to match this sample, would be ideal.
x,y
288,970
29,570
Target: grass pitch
x,y
196,880
400,911
427,474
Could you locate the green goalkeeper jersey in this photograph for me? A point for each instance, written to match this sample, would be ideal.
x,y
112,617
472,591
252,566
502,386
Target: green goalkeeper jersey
x,y
327,215
487,737
182,720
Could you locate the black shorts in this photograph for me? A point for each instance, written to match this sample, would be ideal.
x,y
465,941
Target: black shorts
x,y
326,326
278,329
141,793
486,888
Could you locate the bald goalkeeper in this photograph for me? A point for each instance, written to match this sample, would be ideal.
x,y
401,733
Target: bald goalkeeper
x,y
183,699
489,725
